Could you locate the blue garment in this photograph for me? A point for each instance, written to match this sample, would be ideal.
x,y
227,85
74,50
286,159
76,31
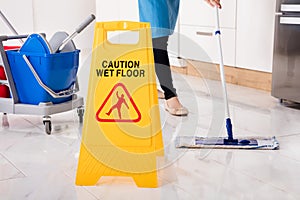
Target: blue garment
x,y
162,15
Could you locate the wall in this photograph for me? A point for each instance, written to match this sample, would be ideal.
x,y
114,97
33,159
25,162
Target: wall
x,y
112,10
19,14
29,16
57,15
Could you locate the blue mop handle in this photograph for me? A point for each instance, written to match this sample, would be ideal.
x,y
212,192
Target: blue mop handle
x,y
223,80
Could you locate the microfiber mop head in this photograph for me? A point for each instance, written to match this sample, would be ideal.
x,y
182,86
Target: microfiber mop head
x,y
264,143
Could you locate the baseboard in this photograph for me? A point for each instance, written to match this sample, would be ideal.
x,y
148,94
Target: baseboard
x,y
239,76
177,62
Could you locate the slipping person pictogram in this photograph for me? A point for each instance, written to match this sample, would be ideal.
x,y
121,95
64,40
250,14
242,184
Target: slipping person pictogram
x,y
104,112
118,105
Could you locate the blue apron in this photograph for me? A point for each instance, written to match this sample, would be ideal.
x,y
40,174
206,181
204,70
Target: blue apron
x,y
162,15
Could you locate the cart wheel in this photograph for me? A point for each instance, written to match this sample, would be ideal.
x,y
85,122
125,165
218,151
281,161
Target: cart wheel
x,y
5,123
80,112
281,101
47,123
48,127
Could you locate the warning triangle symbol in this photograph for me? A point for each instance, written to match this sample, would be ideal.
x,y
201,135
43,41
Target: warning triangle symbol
x,y
117,107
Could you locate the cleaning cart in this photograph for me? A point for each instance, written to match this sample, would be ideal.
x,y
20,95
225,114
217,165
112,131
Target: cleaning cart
x,y
31,77
39,78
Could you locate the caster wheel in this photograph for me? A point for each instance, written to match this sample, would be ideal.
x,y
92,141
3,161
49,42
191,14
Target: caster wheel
x,y
281,101
80,112
48,125
5,123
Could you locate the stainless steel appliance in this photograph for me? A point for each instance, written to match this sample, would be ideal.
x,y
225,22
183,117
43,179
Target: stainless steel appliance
x,y
286,60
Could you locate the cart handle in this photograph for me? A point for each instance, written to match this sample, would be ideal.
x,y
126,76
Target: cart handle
x,y
61,94
12,37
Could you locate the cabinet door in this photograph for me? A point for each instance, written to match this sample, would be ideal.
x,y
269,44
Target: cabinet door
x,y
255,33
199,13
198,43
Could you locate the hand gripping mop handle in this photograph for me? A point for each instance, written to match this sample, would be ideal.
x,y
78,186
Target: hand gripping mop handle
x,y
223,80
82,26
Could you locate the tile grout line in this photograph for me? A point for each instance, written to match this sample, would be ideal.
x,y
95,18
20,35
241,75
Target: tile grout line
x,y
13,165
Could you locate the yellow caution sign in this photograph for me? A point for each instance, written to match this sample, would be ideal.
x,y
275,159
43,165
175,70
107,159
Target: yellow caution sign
x,y
121,134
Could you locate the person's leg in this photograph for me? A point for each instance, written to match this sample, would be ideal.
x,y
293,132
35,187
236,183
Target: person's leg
x,y
162,66
164,75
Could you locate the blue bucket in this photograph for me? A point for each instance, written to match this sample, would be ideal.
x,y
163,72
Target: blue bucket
x,y
57,71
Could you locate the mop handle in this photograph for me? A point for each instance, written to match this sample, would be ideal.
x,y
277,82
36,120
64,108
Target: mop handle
x,y
222,73
223,80
82,26
9,25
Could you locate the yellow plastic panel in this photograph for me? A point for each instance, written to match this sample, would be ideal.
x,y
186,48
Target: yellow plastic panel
x,y
121,133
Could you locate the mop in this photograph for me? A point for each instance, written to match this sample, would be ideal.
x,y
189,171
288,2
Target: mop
x,y
9,25
229,142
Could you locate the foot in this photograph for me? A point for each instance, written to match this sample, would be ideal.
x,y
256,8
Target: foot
x,y
174,107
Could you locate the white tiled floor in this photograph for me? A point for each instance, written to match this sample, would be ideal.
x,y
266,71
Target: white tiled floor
x,y
34,165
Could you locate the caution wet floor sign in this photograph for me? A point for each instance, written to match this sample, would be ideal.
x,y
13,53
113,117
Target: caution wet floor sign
x,y
121,133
